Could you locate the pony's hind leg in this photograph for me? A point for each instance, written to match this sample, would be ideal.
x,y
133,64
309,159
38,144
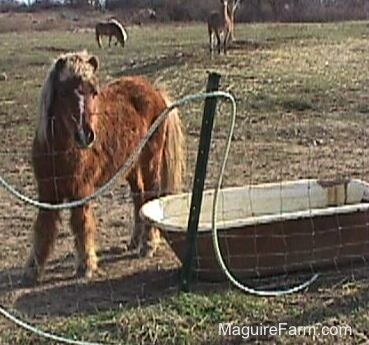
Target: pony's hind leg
x,y
144,237
44,233
137,188
84,229
150,241
150,238
138,228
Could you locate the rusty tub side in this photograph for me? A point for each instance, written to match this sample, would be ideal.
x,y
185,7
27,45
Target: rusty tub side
x,y
272,229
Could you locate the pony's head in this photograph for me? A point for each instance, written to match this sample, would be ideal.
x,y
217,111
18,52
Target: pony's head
x,y
66,98
121,32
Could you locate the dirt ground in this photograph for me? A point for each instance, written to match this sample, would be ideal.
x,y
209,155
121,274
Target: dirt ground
x,y
125,279
300,115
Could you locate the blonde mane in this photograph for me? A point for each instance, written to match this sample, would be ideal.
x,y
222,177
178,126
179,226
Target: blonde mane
x,y
75,64
121,28
44,105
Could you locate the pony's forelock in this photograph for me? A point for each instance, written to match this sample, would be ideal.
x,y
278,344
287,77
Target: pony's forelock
x,y
75,64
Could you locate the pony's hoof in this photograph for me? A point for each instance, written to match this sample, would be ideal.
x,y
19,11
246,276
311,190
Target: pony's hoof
x,y
124,247
147,251
88,273
84,272
32,273
132,245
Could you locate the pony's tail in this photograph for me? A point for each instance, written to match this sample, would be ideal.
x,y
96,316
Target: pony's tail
x,y
173,162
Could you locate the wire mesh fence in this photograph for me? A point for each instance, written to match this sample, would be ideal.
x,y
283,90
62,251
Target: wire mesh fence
x,y
263,246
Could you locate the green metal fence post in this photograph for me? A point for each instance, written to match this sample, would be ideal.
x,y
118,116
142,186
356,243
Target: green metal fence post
x,y
199,180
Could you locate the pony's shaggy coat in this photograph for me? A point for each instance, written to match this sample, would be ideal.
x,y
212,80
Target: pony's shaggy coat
x,y
114,120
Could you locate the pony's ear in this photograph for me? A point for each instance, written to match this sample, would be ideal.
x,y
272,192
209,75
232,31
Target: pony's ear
x,y
94,62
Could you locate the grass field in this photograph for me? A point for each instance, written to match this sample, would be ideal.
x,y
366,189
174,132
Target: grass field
x,y
303,105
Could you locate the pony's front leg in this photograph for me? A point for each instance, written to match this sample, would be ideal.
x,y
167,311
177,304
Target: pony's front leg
x,y
211,43
109,41
218,41
44,233
84,229
98,40
226,40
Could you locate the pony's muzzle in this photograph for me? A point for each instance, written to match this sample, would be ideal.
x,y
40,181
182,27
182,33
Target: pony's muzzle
x,y
84,137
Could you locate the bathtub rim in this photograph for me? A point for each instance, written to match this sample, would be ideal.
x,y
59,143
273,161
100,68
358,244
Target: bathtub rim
x,y
205,227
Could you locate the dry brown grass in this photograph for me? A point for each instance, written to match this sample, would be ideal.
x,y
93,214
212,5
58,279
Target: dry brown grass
x,y
302,94
50,20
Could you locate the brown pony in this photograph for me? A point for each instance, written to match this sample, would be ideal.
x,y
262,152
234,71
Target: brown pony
x,y
111,28
84,135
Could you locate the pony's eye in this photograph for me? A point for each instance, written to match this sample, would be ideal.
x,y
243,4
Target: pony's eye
x,y
94,90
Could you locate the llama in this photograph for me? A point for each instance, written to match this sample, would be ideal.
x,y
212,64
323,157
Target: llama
x,y
220,23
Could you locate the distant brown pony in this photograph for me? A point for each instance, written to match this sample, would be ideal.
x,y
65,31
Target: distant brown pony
x,y
84,135
111,28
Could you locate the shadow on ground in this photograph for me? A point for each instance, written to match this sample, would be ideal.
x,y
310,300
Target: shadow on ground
x,y
153,65
81,297
127,279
